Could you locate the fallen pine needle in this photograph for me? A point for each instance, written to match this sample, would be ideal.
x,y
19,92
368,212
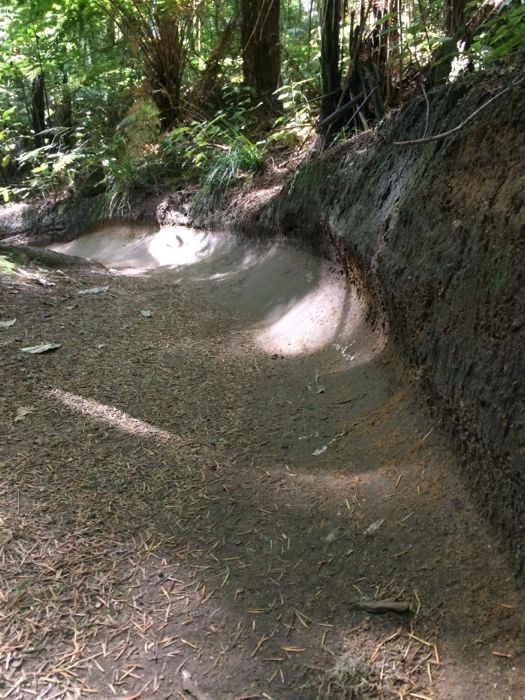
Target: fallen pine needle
x,y
429,674
185,641
261,641
135,696
418,639
502,654
376,651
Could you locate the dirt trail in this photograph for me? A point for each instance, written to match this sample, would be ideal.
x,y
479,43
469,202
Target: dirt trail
x,y
189,484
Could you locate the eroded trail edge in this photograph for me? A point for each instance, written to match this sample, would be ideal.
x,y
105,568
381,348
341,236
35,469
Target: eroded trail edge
x,y
221,471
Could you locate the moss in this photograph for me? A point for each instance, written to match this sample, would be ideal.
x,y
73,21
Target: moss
x,y
7,265
12,257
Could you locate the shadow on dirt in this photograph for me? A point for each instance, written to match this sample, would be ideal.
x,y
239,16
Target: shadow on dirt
x,y
256,435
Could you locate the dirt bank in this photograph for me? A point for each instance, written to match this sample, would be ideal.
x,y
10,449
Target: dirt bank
x,y
433,234
436,234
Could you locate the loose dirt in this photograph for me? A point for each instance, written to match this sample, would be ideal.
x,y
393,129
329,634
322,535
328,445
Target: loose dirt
x,y
212,476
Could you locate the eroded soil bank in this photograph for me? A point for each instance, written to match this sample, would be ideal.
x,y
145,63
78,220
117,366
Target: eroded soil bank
x,y
209,468
217,466
433,234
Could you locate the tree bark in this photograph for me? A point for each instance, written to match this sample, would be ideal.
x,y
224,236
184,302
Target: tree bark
x,y
66,114
205,93
38,109
261,48
454,16
157,35
330,72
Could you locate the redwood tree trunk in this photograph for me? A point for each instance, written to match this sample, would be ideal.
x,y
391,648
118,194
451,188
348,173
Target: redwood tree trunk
x,y
261,48
38,109
454,16
330,71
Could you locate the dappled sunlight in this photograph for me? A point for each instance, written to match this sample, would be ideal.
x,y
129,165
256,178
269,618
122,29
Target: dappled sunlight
x,y
344,487
176,246
236,260
328,312
133,250
113,417
297,304
293,488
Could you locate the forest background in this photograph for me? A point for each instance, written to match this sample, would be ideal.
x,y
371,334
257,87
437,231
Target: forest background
x,y
101,97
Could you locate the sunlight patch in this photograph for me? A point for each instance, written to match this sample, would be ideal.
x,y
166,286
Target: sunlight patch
x,y
324,314
178,246
114,417
245,260
132,250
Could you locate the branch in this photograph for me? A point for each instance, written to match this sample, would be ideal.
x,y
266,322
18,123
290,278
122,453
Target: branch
x,y
444,134
345,108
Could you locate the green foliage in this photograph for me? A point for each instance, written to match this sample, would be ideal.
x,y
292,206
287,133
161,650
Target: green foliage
x,y
296,123
87,80
212,152
239,158
7,266
105,107
502,34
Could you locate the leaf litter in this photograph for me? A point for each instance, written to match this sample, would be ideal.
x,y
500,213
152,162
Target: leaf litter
x,y
91,291
8,324
22,412
129,556
41,348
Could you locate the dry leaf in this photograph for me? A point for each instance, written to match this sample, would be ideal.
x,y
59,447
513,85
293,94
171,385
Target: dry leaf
x,y
22,412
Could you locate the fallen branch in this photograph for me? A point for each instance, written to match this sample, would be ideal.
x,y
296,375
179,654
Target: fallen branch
x,y
358,110
342,110
384,606
457,128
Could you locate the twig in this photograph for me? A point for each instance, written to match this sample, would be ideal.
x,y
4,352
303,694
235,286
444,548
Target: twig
x,y
358,110
444,134
381,644
341,110
384,606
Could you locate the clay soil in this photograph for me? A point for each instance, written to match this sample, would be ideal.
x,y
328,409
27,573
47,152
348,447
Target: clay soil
x,y
213,477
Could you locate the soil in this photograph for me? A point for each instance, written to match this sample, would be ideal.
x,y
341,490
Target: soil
x,y
218,468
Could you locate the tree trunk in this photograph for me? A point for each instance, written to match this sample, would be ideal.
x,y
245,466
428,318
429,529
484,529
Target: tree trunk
x,y
38,109
454,16
157,35
330,72
261,48
167,63
66,114
385,39
205,94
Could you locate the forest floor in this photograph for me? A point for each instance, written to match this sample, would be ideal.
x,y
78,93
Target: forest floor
x,y
216,475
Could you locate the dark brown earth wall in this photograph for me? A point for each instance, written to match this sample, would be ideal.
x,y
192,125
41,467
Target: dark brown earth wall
x,y
437,232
